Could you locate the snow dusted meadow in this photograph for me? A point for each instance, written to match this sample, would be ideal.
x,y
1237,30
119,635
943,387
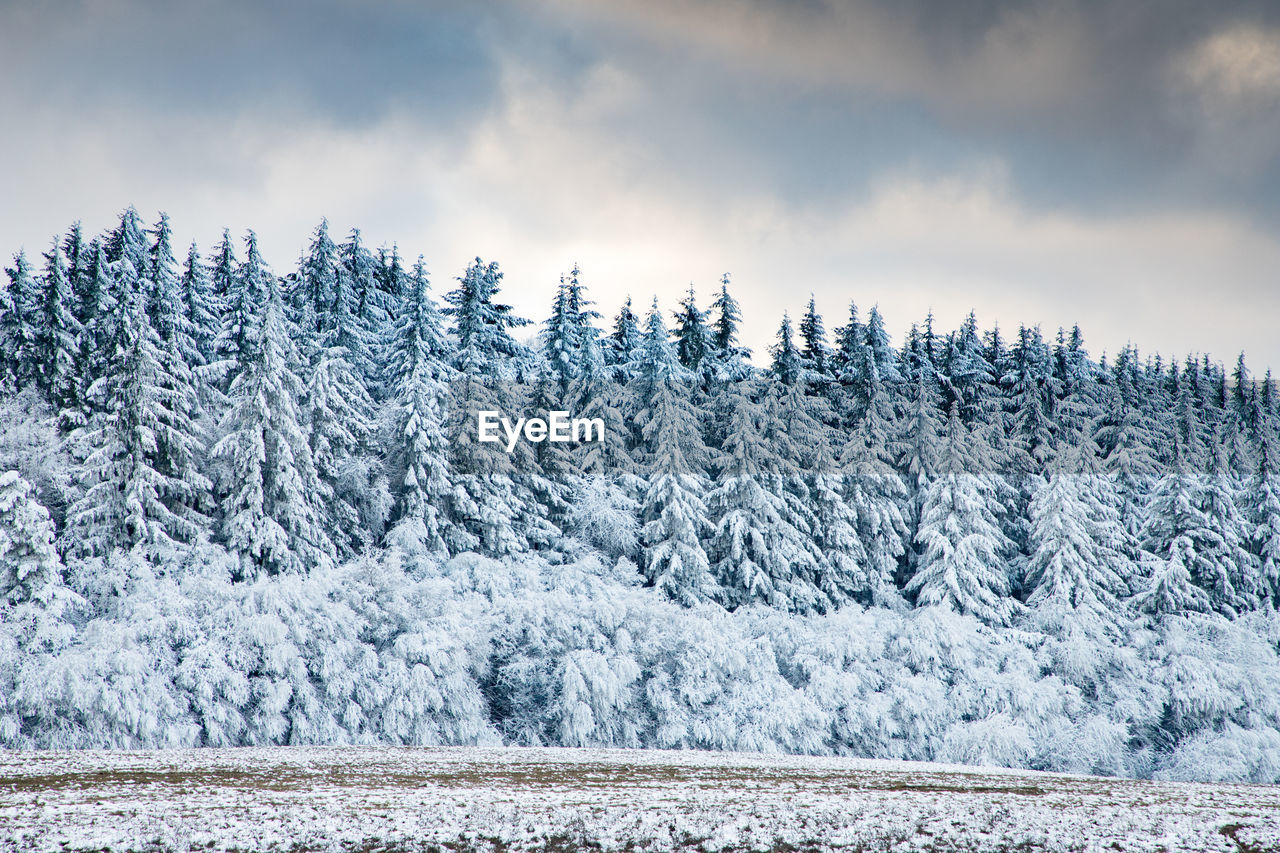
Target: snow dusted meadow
x,y
359,798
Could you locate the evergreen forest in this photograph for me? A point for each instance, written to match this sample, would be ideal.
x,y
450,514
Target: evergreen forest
x,y
247,505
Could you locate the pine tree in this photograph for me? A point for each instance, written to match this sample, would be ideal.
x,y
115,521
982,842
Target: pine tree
x,y
1265,533
727,363
245,295
569,331
558,341
1170,590
962,549
844,571
728,316
623,341
203,310
693,338
794,425
873,488
881,348
1265,400
164,297
222,270
1077,570
1082,396
487,504
127,241
393,288
732,362
815,353
912,359
1242,394
1190,433
362,268
850,342
994,350
417,447
919,443
357,314
167,306
552,462
338,416
481,514
316,287
1031,388
786,366
970,378
672,512
1218,498
271,495
97,310
595,394
481,326
583,316
1186,527
55,340
759,553
540,482
744,513
78,253
141,489
1125,438
181,437
29,563
1157,395
337,409
19,325
931,349
393,280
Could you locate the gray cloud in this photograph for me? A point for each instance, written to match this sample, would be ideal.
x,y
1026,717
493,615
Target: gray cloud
x,y
348,60
1104,162
1089,99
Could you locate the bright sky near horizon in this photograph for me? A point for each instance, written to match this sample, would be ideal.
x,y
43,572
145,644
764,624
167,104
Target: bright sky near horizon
x,y
1108,163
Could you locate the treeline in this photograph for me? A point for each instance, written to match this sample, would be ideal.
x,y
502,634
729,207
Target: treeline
x,y
298,421
238,507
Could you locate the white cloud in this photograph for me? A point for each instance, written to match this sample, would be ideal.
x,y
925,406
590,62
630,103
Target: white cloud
x,y
1039,56
560,189
547,180
1240,62
1229,84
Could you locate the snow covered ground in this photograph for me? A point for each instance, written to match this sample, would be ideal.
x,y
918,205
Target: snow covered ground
x,y
463,799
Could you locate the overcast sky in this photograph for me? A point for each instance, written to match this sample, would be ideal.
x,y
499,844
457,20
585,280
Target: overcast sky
x,y
1107,163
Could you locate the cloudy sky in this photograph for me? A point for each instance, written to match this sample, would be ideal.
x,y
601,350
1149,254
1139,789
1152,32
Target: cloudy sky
x,y
1106,162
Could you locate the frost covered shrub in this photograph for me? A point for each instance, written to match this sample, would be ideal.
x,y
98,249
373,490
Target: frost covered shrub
x,y
472,650
717,686
29,565
112,683
561,666
582,656
1229,754
1214,685
355,655
601,514
998,740
30,444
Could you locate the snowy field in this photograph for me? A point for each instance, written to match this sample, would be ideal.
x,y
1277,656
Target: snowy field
x,y
463,799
